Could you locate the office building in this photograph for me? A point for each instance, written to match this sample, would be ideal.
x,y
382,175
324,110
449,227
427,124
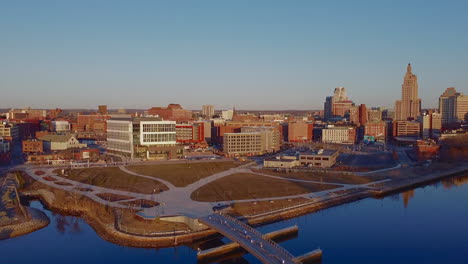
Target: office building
x,y
208,111
406,129
340,135
409,107
300,131
145,138
453,106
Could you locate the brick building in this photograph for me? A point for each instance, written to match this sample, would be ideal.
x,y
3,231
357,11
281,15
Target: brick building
x,y
173,112
299,131
33,146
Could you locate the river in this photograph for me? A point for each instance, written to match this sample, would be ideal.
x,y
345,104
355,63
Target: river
x,y
424,225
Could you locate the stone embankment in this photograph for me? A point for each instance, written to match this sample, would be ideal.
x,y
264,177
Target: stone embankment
x,y
16,219
37,220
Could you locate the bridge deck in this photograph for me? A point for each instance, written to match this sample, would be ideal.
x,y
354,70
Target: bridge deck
x,y
250,239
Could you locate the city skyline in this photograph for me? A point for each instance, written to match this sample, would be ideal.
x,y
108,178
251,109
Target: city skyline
x,y
139,56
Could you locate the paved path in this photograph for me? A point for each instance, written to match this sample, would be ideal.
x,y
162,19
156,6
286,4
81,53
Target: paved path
x,y
177,200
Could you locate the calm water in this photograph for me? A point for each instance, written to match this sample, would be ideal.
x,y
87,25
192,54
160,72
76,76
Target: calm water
x,y
426,225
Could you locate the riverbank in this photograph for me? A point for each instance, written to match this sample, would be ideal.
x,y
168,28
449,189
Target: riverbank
x,y
103,220
388,188
16,219
37,220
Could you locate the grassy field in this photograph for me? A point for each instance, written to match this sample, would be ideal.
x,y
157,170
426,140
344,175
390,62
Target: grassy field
x,y
325,177
250,186
114,178
183,174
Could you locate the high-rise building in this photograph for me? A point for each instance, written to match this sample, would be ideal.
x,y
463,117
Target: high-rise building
x,y
208,111
409,107
327,108
337,105
453,106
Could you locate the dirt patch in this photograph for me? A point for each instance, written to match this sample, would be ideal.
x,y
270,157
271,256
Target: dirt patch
x,y
242,186
115,178
183,174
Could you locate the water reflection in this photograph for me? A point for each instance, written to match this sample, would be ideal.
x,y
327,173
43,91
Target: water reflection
x,y
433,229
447,184
64,224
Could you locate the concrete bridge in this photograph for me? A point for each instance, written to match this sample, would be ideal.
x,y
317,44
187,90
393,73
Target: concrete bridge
x,y
263,248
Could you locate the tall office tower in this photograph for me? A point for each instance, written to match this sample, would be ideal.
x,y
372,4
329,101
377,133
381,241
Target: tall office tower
x,y
327,113
453,106
409,107
102,109
208,110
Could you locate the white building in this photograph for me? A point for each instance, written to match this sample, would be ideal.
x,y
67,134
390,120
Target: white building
x,y
227,114
146,138
120,136
61,142
340,135
157,133
208,111
60,126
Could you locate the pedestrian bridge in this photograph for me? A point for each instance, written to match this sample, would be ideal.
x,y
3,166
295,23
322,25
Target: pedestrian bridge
x,y
263,248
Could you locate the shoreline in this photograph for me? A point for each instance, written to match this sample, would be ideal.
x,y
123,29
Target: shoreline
x,y
38,221
110,233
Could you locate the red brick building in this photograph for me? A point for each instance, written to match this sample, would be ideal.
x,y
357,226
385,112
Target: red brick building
x,y
362,114
190,133
92,122
376,129
341,108
299,131
173,112
33,146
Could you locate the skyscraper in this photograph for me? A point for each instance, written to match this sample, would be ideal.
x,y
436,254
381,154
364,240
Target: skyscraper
x,y
208,111
409,107
338,104
453,106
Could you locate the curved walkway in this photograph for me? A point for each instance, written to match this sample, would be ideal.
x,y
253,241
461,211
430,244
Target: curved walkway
x,y
177,200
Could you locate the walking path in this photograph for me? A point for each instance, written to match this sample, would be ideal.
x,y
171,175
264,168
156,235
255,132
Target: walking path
x,y
177,200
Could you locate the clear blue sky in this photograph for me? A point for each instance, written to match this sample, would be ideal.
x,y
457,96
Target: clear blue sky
x,y
251,54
